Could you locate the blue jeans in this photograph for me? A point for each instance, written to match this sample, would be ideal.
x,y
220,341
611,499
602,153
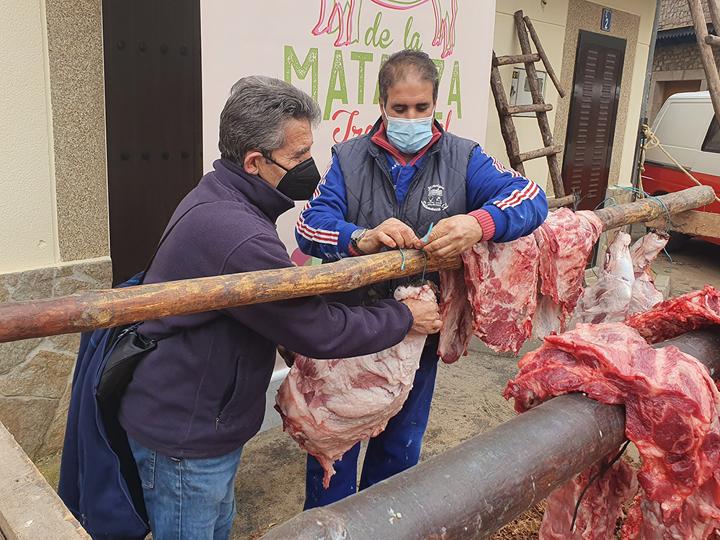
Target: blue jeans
x,y
187,499
394,450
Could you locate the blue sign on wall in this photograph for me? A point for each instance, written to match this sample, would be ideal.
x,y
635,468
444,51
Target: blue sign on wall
x,y
606,22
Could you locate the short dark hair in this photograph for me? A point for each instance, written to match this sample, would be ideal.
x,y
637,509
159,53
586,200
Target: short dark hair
x,y
397,66
255,115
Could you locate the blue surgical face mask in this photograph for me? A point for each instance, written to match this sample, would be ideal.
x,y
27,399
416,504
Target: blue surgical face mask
x,y
409,135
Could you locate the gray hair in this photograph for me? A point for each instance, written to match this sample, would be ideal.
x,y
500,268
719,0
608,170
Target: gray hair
x,y
255,115
397,66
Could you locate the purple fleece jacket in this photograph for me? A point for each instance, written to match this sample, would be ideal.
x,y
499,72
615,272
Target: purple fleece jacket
x,y
201,392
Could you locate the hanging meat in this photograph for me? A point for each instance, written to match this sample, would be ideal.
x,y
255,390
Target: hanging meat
x,y
327,406
671,406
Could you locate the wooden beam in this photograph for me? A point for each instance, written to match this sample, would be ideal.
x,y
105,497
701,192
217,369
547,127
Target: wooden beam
x,y
540,152
554,202
29,507
532,108
706,54
512,59
507,127
114,307
693,223
543,122
544,58
712,40
714,14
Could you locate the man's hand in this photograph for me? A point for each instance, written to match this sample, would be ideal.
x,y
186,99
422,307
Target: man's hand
x,y
392,233
451,236
426,316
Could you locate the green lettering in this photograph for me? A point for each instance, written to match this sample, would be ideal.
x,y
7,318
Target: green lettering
x,y
440,65
411,39
310,64
337,87
376,99
362,58
454,95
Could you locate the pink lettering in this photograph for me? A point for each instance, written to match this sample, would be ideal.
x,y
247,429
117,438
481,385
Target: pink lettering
x,y
348,129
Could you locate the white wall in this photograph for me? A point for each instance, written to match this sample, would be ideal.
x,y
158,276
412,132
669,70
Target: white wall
x,y
28,236
261,48
549,21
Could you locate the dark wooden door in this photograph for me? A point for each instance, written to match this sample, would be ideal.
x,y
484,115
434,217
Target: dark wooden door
x,y
670,88
593,112
154,120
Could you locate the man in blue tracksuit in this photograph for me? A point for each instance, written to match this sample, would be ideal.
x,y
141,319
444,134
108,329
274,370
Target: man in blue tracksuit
x,y
383,191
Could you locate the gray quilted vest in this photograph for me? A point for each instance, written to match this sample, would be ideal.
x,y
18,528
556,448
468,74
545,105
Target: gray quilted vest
x,y
436,192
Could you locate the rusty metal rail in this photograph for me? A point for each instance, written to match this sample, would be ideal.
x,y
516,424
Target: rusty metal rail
x,y
474,489
114,307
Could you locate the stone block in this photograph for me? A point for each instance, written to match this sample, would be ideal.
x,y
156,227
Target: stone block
x,y
14,353
28,420
56,432
45,375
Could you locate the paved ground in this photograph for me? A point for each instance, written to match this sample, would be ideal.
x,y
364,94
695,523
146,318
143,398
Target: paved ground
x,y
467,402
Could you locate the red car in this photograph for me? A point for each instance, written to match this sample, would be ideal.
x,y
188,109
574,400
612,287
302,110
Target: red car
x,y
687,128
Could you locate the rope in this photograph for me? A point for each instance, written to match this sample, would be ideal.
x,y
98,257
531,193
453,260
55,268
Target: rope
x,y
652,141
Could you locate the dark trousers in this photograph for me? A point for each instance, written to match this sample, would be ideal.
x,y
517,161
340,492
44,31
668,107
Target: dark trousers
x,y
394,450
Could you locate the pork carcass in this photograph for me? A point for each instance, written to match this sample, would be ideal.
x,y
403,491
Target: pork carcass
x,y
565,240
676,316
613,484
456,315
608,299
501,282
671,408
499,300
327,406
493,296
643,252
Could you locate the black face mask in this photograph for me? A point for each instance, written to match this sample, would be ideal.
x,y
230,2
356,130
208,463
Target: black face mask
x,y
300,182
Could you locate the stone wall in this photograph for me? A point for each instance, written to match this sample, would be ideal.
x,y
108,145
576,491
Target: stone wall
x,y
35,374
683,56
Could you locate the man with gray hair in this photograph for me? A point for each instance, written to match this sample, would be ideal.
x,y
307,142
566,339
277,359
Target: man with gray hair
x,y
199,396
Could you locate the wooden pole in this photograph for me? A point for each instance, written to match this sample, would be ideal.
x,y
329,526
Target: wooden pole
x,y
706,54
543,122
507,128
567,200
114,307
545,60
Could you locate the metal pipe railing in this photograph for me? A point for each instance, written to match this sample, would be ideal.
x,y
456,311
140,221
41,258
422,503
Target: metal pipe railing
x,y
476,488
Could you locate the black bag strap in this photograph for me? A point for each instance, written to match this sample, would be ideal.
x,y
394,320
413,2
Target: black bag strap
x,y
165,236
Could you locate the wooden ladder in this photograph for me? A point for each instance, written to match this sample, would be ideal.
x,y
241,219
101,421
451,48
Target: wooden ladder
x,y
706,43
506,112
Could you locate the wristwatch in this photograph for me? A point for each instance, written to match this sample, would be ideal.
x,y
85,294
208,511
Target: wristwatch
x,y
355,238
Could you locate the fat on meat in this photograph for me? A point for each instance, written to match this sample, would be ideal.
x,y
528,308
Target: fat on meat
x,y
644,294
678,315
456,315
597,518
671,408
608,299
565,240
501,282
327,406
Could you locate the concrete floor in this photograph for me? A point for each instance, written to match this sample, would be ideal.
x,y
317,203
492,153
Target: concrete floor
x,y
467,401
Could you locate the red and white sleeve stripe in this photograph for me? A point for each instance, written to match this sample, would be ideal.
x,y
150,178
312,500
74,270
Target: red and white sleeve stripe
x,y
528,193
320,236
